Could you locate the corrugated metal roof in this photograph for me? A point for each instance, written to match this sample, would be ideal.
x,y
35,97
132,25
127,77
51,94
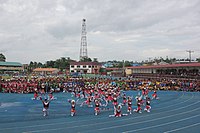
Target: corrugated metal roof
x,y
112,69
167,66
10,64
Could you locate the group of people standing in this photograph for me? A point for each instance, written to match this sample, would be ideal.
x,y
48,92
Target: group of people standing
x,y
105,96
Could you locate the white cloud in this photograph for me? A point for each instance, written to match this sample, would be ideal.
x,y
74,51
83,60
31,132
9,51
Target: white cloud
x,y
41,30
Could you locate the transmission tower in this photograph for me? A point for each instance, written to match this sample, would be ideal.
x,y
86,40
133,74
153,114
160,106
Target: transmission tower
x,y
83,49
190,54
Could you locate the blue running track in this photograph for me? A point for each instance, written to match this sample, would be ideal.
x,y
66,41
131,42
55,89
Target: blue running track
x,y
174,112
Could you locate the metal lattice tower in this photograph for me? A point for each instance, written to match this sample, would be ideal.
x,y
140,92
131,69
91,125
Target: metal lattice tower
x,y
83,49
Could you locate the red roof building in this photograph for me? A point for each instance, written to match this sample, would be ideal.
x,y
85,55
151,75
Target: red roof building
x,y
44,71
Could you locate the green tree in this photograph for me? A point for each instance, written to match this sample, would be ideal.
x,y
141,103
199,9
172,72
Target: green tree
x,y
2,57
102,70
64,63
95,60
86,59
30,67
167,60
61,63
35,65
50,63
198,59
40,65
128,63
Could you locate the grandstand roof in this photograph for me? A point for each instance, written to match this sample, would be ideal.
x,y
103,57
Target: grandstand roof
x,y
167,66
10,64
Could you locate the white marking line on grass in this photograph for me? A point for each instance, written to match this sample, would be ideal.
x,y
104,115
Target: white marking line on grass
x,y
162,124
177,129
114,122
99,119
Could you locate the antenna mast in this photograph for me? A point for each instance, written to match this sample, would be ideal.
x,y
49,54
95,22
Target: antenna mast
x,y
83,49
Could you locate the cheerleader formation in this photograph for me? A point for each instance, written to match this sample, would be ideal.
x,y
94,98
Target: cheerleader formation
x,y
103,97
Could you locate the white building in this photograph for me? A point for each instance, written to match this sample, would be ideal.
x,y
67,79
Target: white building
x,y
85,67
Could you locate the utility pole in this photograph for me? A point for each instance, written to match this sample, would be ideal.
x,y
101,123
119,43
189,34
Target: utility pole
x,y
123,68
190,54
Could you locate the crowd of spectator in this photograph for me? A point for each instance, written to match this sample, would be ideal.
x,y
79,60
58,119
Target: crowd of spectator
x,y
166,84
61,84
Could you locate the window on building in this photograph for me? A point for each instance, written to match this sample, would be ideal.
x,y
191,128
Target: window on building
x,y
85,71
72,66
92,66
84,66
78,66
89,66
72,71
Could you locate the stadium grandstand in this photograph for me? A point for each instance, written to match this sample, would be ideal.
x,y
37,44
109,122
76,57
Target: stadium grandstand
x,y
10,67
188,70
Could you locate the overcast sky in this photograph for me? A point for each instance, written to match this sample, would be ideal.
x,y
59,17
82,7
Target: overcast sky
x,y
41,30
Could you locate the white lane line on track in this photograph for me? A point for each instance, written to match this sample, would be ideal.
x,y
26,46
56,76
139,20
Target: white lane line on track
x,y
178,129
177,103
115,122
179,97
145,121
100,119
161,124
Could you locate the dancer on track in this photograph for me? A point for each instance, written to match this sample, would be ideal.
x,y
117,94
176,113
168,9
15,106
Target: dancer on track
x,y
129,102
35,95
155,96
45,103
73,106
97,105
148,107
139,104
118,112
